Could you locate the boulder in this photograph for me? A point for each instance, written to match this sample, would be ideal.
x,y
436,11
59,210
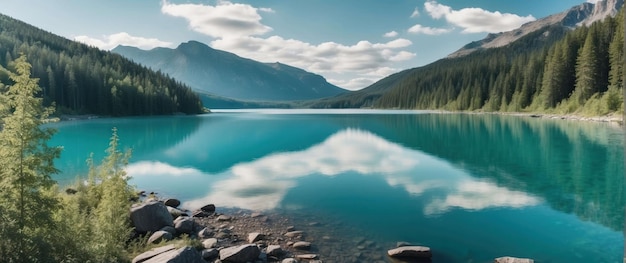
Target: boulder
x,y
302,245
419,252
172,202
184,225
513,260
240,254
159,236
209,243
152,253
254,237
210,254
181,255
150,217
275,250
210,208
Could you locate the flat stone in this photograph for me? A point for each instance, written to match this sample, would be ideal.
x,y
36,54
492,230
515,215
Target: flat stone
x,y
291,228
302,245
306,256
181,255
240,254
254,237
224,218
294,233
410,252
289,260
209,243
152,253
256,214
175,212
513,260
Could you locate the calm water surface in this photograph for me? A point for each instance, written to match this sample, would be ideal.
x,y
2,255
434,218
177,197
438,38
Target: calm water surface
x,y
472,187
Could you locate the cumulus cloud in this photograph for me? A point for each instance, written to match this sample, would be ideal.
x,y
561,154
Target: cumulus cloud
x,y
111,41
476,20
222,20
361,58
419,29
238,28
391,34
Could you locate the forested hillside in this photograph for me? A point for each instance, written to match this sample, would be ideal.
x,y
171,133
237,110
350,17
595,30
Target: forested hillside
x,y
551,70
84,80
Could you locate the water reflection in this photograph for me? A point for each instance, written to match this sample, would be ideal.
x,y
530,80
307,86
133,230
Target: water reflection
x,y
263,183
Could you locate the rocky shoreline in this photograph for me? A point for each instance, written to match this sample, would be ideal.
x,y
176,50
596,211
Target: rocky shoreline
x,y
240,236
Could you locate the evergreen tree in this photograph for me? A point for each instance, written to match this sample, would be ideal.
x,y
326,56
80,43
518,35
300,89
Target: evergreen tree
x,y
27,166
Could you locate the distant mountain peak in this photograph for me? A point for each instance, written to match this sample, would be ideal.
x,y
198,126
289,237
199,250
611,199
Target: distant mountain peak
x,y
225,74
583,14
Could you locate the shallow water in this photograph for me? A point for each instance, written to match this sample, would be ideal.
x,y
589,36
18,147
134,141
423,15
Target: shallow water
x,y
471,187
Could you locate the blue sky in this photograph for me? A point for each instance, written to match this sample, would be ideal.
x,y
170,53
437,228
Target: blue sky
x,y
352,43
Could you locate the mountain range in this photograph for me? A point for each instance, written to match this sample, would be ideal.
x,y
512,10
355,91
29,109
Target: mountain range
x,y
225,74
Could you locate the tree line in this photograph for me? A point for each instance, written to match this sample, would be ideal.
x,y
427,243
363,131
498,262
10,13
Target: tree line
x,y
551,70
80,79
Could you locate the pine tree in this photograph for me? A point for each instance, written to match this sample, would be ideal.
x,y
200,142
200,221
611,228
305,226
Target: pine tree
x,y
27,166
587,71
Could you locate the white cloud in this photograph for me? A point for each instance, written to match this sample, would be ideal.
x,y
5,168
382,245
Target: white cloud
x,y
111,41
419,29
476,20
477,195
222,20
391,34
238,29
328,57
416,13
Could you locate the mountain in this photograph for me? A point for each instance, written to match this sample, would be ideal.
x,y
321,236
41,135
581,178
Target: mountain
x,y
583,14
85,80
554,69
225,74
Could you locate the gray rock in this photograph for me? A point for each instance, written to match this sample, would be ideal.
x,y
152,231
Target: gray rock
x,y
210,253
210,208
410,252
205,233
209,243
172,202
169,229
513,260
302,245
181,255
224,218
184,225
306,256
256,214
294,233
175,212
291,228
240,254
159,236
200,213
275,250
254,237
152,253
289,260
150,217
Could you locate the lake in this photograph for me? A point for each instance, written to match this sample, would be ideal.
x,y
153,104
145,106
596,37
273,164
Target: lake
x,y
472,187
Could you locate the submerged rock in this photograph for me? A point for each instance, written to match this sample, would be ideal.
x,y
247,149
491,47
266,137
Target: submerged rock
x,y
410,252
513,260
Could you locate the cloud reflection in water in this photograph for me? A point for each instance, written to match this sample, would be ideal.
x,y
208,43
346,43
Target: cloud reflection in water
x,y
263,183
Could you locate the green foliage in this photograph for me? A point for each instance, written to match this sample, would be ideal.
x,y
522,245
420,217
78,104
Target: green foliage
x,y
554,70
85,80
27,164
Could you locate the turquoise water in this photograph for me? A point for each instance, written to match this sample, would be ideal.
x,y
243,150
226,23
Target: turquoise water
x,y
472,187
